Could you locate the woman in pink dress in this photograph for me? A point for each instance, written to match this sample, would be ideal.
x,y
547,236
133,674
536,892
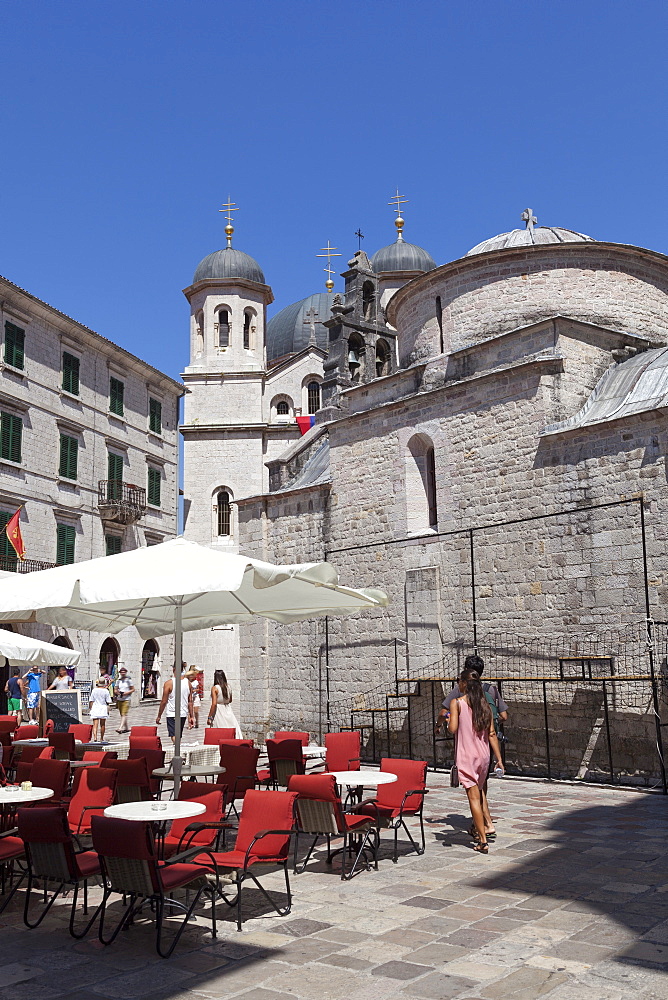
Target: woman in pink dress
x,y
472,722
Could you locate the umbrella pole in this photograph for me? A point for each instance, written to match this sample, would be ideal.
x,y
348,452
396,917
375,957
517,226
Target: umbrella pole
x,y
178,656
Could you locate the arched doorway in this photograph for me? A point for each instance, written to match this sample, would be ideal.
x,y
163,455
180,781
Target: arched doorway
x,y
150,669
66,643
109,653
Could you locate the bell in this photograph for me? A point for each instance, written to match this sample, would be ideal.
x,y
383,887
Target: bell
x,y
353,360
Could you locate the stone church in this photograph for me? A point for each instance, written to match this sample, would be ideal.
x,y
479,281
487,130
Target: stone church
x,y
489,447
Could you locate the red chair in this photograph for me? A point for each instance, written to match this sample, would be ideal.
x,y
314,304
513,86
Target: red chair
x,y
285,759
145,743
81,731
53,774
236,743
342,751
49,727
214,736
263,838
133,783
143,731
131,867
11,849
402,798
155,759
26,733
101,757
95,792
51,857
8,723
285,735
321,814
63,745
186,835
24,767
240,763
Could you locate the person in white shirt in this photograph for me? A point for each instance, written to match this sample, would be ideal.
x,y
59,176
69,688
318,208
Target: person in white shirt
x,y
168,707
100,700
124,691
62,681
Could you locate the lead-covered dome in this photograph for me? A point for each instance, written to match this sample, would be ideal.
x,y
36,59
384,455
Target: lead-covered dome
x,y
402,256
531,236
289,331
228,263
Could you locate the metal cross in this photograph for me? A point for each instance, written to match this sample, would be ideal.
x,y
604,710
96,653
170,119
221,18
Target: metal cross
x,y
397,201
310,319
229,206
529,219
329,252
360,236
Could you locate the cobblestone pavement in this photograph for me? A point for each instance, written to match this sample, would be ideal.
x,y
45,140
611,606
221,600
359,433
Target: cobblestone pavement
x,y
570,903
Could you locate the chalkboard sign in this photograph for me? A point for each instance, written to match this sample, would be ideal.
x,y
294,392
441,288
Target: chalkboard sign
x,y
63,707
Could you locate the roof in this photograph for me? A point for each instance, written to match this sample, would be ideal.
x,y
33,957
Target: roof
x,y
402,256
228,263
530,237
289,331
636,386
94,333
314,472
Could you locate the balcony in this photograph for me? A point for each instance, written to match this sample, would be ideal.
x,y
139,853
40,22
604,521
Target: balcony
x,y
12,564
120,502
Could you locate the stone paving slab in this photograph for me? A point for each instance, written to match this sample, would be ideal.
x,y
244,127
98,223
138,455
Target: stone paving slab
x,y
570,904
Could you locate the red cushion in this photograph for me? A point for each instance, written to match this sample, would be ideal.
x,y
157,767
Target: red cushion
x,y
236,859
89,863
173,876
10,847
264,774
354,822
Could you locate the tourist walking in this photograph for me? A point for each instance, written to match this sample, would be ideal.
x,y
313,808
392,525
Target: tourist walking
x,y
124,692
221,715
167,705
472,723
32,682
62,681
196,688
14,689
98,708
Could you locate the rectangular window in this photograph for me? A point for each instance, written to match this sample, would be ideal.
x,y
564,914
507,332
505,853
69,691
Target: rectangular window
x,y
155,416
69,455
113,544
11,429
116,389
14,343
8,557
153,491
66,534
70,373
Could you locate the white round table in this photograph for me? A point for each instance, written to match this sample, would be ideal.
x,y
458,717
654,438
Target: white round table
x,y
143,812
11,797
367,779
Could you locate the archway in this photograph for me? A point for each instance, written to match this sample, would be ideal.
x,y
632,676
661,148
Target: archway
x,y
109,653
150,669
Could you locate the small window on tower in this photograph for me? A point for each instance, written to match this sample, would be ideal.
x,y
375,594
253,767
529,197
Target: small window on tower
x,y
382,358
248,330
313,390
368,298
282,409
223,327
224,511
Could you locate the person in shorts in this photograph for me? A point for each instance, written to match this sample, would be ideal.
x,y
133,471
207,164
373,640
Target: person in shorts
x,y
32,679
14,689
124,691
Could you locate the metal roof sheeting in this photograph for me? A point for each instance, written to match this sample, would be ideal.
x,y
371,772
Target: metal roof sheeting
x,y
530,237
636,386
228,263
402,256
314,472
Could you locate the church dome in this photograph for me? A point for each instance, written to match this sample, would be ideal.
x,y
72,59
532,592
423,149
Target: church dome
x,y
289,331
402,256
228,263
530,236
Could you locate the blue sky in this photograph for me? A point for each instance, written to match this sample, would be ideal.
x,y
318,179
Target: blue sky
x,y
125,125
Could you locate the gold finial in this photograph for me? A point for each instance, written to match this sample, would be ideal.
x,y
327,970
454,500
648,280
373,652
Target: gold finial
x,y
328,252
229,206
397,202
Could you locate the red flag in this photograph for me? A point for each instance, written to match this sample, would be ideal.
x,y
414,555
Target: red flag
x,y
13,530
306,423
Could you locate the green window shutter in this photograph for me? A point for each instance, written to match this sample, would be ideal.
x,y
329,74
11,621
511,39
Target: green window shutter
x,y
14,344
153,492
69,456
155,416
115,476
8,557
113,544
70,373
65,544
11,429
116,389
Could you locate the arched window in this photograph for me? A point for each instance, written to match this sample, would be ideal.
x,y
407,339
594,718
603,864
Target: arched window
x,y
61,640
421,507
224,513
249,329
222,326
382,358
199,332
150,669
109,651
313,396
282,408
355,357
368,298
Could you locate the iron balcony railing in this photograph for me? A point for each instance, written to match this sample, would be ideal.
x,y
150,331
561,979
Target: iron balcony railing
x,y
12,564
119,501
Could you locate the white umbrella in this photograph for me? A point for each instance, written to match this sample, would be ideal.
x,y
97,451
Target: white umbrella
x,y
175,587
22,651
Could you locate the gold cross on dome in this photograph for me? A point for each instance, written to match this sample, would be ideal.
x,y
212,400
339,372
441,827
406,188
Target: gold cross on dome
x,y
397,201
229,206
328,252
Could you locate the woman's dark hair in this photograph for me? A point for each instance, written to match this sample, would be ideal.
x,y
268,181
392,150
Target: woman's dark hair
x,y
220,679
480,710
474,662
